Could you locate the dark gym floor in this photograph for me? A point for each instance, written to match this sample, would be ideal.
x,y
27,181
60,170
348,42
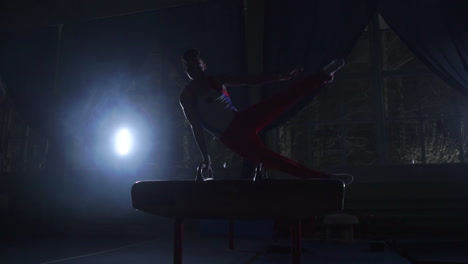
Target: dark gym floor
x,y
156,246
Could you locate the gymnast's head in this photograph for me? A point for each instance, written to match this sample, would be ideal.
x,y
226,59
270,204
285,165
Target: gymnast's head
x,y
194,64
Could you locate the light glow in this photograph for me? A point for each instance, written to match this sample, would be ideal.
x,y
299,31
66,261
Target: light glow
x,y
123,142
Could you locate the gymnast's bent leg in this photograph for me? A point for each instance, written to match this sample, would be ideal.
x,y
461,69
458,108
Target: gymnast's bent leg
x,y
242,138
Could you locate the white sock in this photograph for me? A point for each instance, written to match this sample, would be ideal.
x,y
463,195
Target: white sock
x,y
334,66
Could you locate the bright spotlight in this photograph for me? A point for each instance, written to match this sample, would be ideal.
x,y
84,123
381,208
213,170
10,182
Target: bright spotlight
x,y
123,142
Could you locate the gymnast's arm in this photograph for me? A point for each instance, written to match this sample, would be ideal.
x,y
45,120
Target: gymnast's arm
x,y
255,79
187,102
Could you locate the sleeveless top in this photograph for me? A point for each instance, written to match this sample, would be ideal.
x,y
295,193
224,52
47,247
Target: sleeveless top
x,y
215,108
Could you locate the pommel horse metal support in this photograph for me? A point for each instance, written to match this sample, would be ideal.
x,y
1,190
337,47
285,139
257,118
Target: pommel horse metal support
x,y
292,200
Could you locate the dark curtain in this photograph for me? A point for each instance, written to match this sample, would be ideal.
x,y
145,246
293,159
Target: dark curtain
x,y
27,66
105,67
310,34
436,31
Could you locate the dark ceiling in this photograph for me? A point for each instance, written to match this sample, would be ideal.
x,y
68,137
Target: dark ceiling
x,y
27,14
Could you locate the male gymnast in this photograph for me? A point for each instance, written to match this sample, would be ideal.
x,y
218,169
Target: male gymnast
x,y
207,107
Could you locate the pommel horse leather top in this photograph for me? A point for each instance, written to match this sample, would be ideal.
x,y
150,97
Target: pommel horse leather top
x,y
239,199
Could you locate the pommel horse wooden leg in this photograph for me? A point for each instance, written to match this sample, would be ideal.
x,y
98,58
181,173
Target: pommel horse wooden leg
x,y
296,241
178,240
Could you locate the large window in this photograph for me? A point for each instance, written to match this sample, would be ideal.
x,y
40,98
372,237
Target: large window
x,y
384,107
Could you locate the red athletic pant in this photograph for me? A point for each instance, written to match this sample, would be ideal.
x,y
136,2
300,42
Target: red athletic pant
x,y
241,136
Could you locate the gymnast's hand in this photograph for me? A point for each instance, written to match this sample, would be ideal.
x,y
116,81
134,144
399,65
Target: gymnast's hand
x,y
285,76
205,167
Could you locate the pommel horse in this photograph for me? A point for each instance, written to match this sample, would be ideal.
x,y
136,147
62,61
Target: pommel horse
x,y
291,200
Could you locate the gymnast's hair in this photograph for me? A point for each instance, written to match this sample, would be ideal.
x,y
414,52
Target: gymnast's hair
x,y
190,54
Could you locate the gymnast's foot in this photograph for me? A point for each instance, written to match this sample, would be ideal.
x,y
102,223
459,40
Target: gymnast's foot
x,y
333,67
346,178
